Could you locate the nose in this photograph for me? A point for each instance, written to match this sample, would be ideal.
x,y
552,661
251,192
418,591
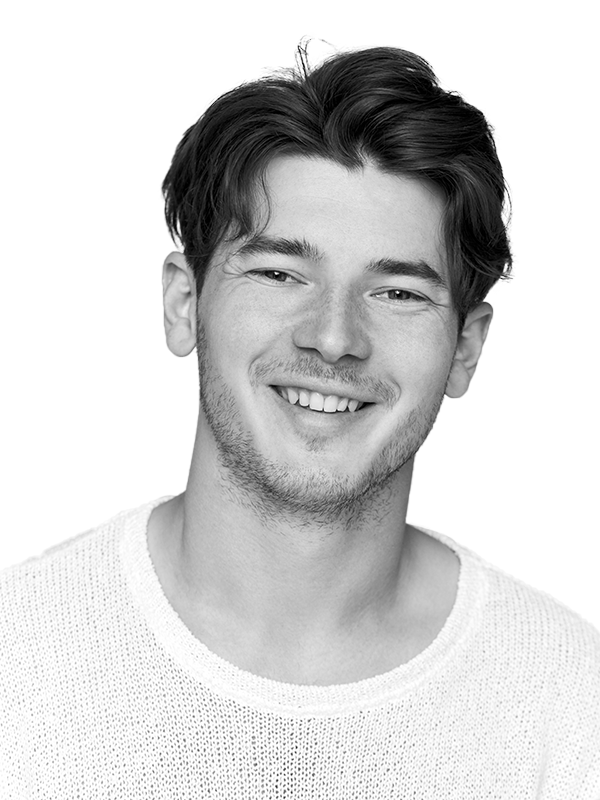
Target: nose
x,y
334,328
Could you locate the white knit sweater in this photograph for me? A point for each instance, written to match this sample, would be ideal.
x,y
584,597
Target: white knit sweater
x,y
105,694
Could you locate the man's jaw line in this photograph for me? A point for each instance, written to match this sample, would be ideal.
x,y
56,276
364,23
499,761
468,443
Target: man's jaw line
x,y
279,513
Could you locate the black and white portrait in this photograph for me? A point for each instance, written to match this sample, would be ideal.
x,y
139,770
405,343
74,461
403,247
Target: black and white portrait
x,y
299,414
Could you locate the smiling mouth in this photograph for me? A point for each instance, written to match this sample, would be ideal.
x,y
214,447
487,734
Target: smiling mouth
x,y
328,403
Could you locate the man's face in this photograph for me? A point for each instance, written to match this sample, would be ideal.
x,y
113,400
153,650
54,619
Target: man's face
x,y
325,343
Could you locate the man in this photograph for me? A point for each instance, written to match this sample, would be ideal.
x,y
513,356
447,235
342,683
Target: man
x,y
279,630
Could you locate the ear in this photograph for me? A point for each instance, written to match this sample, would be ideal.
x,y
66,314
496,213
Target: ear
x,y
179,298
468,349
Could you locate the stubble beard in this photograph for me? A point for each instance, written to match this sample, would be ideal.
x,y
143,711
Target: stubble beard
x,y
275,489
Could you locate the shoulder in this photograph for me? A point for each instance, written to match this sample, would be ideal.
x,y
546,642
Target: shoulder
x,y
552,655
75,552
523,636
530,664
64,613
44,595
527,616
548,653
519,616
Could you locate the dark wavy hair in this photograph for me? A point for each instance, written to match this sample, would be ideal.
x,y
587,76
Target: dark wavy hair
x,y
380,105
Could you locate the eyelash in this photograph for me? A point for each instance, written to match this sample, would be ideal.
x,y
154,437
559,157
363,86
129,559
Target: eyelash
x,y
264,273
413,296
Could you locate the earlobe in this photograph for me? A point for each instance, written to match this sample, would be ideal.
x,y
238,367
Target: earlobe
x,y
179,299
468,349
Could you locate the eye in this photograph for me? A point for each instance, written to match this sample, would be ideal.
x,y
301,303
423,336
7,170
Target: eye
x,y
401,295
273,275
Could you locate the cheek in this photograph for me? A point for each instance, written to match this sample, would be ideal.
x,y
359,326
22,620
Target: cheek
x,y
251,320
422,358
239,329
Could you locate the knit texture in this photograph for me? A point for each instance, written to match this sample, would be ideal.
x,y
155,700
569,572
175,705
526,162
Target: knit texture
x,y
106,694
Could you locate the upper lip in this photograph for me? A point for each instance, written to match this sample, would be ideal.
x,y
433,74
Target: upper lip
x,y
337,390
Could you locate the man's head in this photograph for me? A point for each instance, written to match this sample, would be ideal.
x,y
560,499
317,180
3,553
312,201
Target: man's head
x,y
337,245
381,106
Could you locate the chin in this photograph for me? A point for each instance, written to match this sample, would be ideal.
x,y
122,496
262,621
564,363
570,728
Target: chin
x,y
323,489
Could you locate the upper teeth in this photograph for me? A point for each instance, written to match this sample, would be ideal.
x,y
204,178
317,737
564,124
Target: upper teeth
x,y
318,401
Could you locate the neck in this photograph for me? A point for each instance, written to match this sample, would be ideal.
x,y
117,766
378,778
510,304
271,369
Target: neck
x,y
291,545
284,586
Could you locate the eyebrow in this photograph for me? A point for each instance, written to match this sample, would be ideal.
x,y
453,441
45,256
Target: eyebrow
x,y
271,245
417,269
261,244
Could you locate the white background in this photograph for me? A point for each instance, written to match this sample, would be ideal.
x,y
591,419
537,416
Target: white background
x,y
97,416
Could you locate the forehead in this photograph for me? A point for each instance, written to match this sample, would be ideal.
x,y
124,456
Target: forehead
x,y
360,214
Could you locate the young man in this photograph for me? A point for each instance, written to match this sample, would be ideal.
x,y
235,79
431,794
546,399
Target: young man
x,y
279,630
